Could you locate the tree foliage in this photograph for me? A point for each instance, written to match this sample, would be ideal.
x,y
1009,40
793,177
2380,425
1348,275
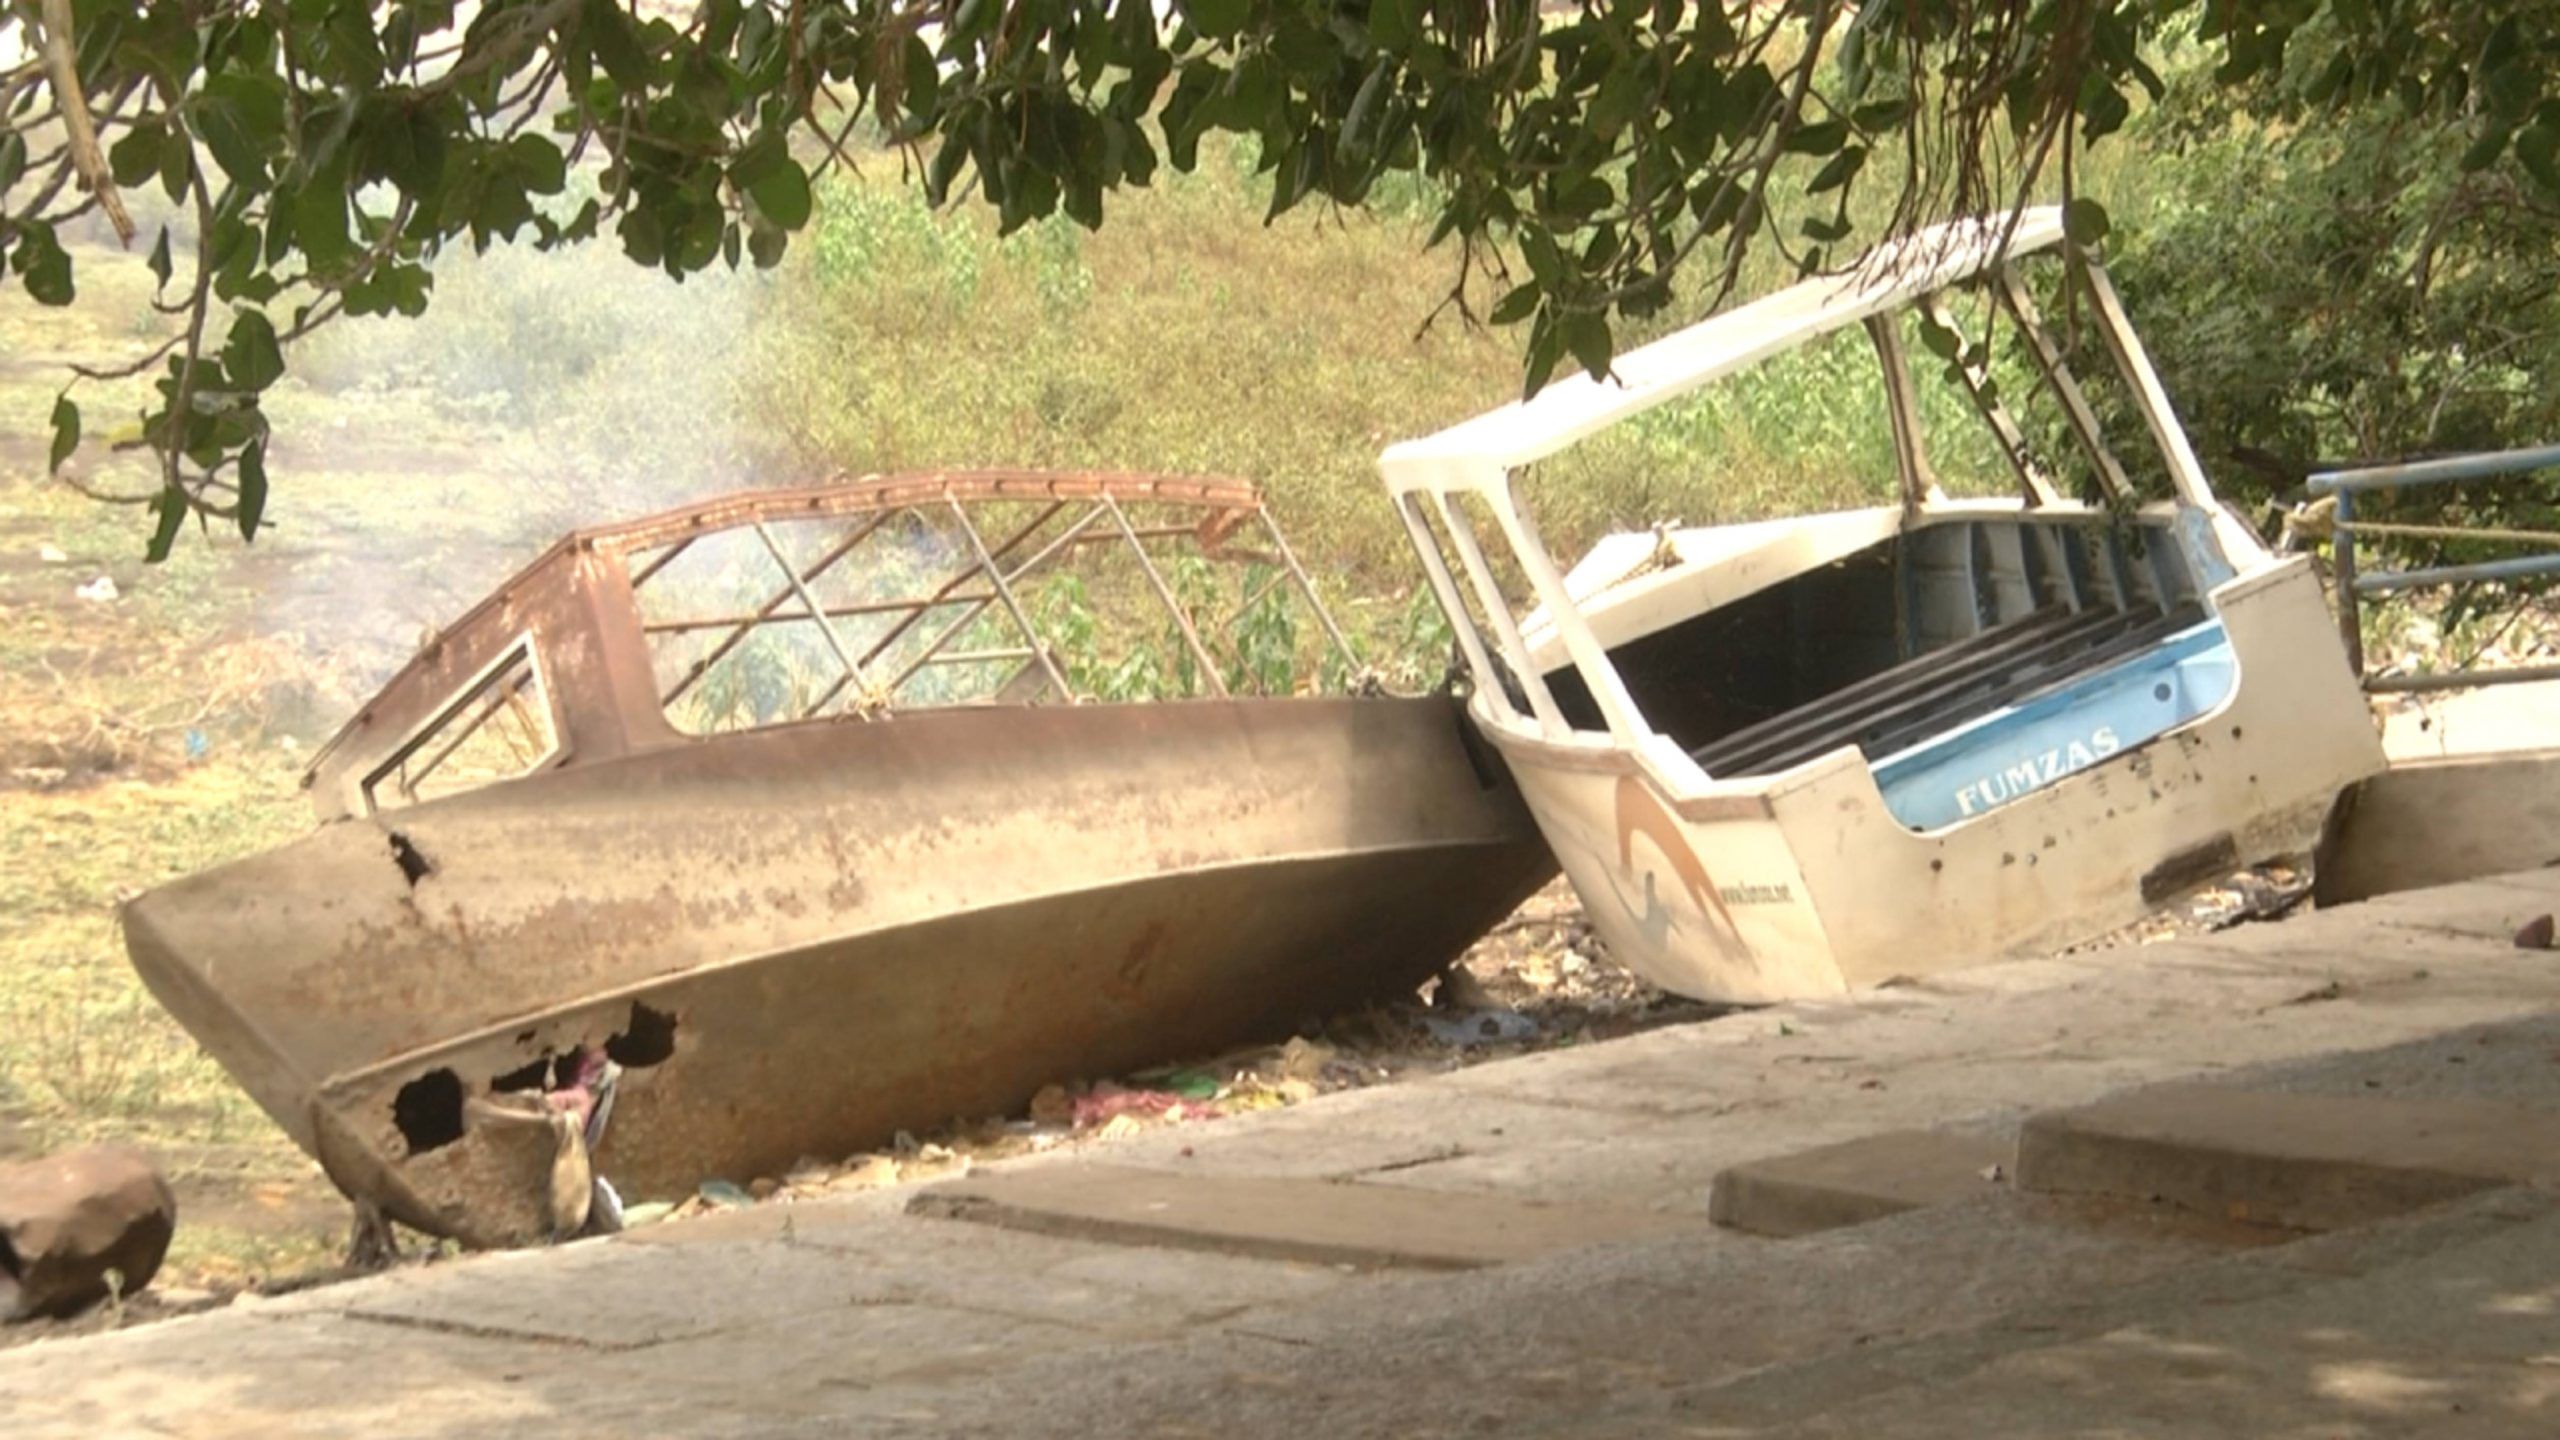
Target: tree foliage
x,y
323,151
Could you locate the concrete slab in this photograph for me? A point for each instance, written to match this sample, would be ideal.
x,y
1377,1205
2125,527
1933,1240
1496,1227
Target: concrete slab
x,y
2436,821
1856,1181
1349,1224
2308,1162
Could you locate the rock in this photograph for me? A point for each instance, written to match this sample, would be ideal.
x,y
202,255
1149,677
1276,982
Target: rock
x,y
2536,934
70,1221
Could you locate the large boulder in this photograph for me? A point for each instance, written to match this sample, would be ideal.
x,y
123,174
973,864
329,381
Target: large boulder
x,y
71,1221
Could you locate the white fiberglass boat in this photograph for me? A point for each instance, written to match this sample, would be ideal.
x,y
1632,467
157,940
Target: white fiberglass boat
x,y
1797,756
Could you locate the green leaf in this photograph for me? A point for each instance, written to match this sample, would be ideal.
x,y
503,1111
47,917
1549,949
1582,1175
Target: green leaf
x,y
616,43
241,120
2085,221
13,158
170,505
160,266
544,168
1820,138
1216,19
923,78
66,432
136,157
1586,334
2538,151
766,174
251,359
319,216
44,267
1392,25
253,489
1839,170
2485,151
1517,306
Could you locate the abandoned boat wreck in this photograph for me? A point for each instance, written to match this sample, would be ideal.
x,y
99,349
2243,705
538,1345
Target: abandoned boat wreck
x,y
1795,756
767,827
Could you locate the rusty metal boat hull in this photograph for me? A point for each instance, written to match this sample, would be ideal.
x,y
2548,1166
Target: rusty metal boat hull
x,y
801,939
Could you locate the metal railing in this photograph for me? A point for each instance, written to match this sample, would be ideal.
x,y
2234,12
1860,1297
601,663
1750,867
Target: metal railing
x,y
2353,586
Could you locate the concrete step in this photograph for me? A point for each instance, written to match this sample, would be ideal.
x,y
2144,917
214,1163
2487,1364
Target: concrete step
x,y
2303,1161
1856,1181
1369,1226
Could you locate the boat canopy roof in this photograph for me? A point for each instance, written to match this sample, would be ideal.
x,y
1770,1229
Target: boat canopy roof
x,y
1482,450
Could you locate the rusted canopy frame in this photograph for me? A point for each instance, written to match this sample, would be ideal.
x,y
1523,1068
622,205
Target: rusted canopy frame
x,y
1164,592
1072,536
977,604
764,612
1013,607
410,779
865,699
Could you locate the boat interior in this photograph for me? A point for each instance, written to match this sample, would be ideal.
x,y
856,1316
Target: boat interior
x,y
1958,641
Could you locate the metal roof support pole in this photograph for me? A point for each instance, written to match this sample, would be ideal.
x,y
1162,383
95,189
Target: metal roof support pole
x,y
1306,587
732,640
2032,481
960,578
1608,688
1910,462
1013,607
826,627
1444,587
1164,592
981,602
2057,378
2117,331
1462,538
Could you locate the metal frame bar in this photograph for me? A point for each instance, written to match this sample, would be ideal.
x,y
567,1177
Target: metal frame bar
x,y
1306,587
1004,592
2032,481
2352,586
1902,416
1038,558
1164,592
1506,629
720,652
2056,373
1444,588
826,628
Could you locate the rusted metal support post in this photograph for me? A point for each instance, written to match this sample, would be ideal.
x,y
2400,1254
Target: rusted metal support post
x,y
865,702
1307,587
1173,603
765,611
1004,592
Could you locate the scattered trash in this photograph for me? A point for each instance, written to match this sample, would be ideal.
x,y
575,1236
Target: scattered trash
x,y
1993,1174
1532,983
99,591
199,745
2536,935
52,555
1480,1027
1106,1103
80,1228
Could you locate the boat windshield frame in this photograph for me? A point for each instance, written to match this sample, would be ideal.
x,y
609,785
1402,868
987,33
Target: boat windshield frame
x,y
1430,478
576,619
